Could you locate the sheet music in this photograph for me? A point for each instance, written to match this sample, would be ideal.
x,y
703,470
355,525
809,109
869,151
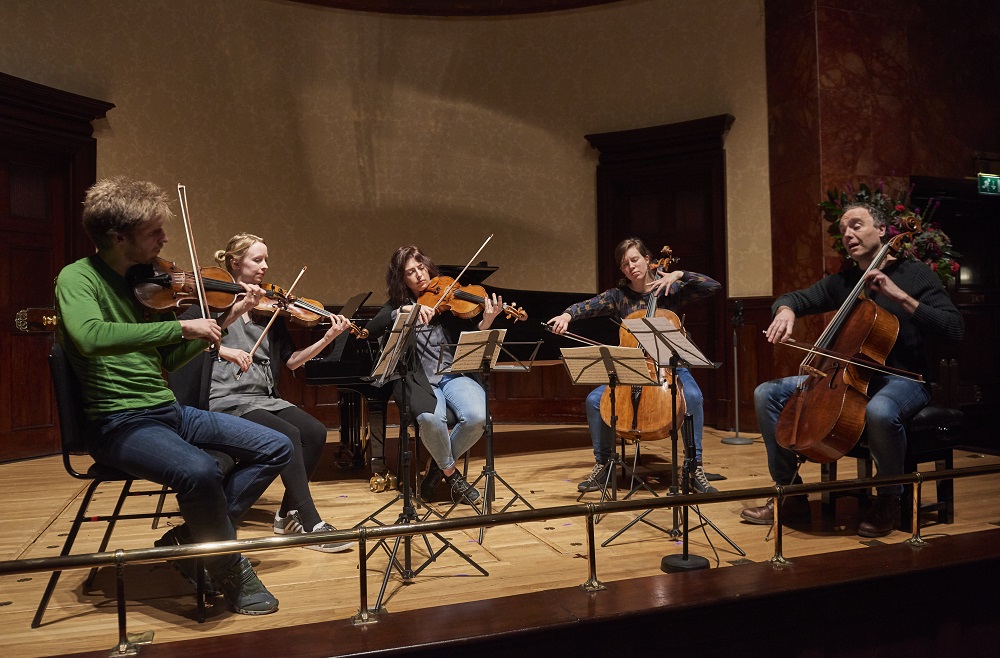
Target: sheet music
x,y
469,350
587,365
392,351
658,343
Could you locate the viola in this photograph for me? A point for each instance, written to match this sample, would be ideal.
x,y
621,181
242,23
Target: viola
x,y
825,416
306,312
443,293
162,286
646,412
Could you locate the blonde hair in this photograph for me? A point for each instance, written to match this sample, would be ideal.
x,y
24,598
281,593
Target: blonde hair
x,y
236,249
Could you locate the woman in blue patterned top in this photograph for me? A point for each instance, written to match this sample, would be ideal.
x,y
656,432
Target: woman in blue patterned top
x,y
670,290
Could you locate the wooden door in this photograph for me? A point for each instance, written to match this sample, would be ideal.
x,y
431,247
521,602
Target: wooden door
x,y
47,161
32,218
666,186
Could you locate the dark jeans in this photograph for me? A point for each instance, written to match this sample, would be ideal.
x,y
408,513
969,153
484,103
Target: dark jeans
x,y
308,436
166,445
894,401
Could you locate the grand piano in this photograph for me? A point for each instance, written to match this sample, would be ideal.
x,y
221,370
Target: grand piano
x,y
363,406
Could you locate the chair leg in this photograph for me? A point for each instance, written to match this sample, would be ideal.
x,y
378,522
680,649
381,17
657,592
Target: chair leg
x,y
106,539
828,473
906,503
946,490
70,538
159,506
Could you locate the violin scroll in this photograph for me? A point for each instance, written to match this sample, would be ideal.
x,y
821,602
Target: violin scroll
x,y
514,312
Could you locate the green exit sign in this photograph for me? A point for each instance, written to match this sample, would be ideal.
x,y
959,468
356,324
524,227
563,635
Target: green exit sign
x,y
989,184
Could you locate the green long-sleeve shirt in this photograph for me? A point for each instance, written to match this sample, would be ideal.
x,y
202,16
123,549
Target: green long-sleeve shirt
x,y
117,348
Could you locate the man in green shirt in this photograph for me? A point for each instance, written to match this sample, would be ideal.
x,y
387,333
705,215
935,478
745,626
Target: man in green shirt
x,y
118,350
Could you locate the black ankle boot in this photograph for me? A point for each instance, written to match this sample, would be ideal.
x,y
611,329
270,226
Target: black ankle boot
x,y
882,518
431,480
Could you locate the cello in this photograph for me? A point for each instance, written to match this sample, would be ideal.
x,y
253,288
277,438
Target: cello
x,y
646,412
825,416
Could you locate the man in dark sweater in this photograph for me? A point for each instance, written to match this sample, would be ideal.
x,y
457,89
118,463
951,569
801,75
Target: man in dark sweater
x,y
910,291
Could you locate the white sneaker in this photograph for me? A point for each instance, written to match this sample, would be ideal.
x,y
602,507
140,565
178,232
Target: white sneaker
x,y
292,525
335,547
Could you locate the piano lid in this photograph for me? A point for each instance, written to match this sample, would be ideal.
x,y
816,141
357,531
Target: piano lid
x,y
473,276
541,305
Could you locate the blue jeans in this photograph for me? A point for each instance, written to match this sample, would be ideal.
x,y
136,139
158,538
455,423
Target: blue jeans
x,y
466,399
600,432
894,401
166,445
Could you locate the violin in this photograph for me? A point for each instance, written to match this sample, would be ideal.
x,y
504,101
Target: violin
x,y
306,312
825,416
646,412
443,293
162,286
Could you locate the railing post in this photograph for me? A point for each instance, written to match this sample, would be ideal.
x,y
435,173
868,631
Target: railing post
x,y
364,616
127,646
778,559
592,584
915,539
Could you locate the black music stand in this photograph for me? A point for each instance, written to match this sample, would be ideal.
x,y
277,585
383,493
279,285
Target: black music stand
x,y
669,347
685,561
391,365
478,351
612,366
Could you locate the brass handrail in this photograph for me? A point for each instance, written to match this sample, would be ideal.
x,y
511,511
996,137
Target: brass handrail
x,y
118,558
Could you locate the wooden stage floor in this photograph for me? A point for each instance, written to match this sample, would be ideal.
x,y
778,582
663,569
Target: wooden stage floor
x,y
38,500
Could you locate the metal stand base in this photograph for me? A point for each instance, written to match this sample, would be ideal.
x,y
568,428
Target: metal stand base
x,y
737,440
678,563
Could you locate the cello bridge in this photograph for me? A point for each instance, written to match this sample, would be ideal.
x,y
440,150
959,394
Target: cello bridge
x,y
816,372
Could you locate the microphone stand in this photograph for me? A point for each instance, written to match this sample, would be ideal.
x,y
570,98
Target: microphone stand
x,y
736,439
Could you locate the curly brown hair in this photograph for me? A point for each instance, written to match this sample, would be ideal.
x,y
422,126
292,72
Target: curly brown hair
x,y
119,205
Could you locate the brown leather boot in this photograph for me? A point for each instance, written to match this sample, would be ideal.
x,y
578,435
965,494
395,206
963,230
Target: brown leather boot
x,y
794,508
882,518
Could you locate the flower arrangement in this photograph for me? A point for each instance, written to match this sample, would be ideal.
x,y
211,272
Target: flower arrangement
x,y
931,246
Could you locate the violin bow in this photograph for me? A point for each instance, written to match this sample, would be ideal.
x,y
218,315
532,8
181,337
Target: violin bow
x,y
267,328
455,282
199,283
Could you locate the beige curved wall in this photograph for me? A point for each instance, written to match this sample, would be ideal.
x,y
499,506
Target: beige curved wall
x,y
340,136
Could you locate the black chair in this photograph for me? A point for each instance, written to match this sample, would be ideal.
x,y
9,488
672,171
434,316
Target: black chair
x,y
72,431
931,436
